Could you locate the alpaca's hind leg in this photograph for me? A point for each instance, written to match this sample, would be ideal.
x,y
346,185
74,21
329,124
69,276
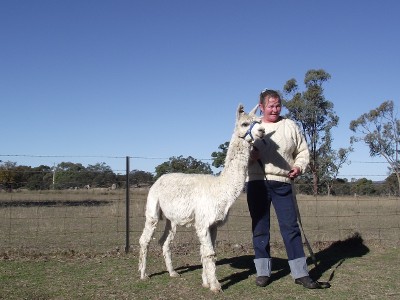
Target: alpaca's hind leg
x,y
208,259
165,241
144,240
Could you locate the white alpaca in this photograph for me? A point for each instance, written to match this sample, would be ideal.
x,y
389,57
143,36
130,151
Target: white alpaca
x,y
200,200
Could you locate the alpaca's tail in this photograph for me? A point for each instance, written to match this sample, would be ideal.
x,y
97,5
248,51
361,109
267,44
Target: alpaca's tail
x,y
153,210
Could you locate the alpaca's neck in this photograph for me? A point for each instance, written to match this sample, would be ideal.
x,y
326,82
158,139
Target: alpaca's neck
x,y
236,159
233,176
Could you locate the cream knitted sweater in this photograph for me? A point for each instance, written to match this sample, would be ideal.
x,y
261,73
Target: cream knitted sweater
x,y
282,147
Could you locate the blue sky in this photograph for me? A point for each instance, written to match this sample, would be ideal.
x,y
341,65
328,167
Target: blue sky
x,y
93,80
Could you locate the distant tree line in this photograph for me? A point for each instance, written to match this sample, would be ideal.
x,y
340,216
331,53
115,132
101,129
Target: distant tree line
x,y
354,187
63,176
68,175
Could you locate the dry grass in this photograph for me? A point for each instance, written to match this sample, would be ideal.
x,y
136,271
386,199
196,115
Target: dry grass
x,y
95,220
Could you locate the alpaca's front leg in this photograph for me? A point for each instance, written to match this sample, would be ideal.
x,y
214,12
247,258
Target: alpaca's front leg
x,y
213,235
208,259
203,274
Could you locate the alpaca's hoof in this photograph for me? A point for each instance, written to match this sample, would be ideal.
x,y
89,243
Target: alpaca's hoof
x,y
216,289
174,274
206,285
144,277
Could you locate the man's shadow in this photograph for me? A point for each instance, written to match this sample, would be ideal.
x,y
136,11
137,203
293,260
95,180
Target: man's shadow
x,y
329,258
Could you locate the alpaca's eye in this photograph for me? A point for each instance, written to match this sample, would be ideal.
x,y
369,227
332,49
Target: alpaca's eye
x,y
245,124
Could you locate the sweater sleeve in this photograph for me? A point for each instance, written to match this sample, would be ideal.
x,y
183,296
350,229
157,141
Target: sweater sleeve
x,y
302,155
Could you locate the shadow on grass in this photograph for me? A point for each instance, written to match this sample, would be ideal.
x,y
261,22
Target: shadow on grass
x,y
335,255
331,257
180,270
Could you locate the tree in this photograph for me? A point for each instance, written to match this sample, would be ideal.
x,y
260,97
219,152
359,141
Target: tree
x,y
391,185
183,165
8,174
68,174
99,175
342,187
40,178
330,161
316,118
137,177
380,130
219,157
22,175
364,186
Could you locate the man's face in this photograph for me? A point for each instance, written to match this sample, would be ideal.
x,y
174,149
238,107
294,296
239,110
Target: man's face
x,y
271,110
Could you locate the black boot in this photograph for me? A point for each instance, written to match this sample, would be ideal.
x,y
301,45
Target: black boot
x,y
262,281
307,282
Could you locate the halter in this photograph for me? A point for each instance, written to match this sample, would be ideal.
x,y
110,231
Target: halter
x,y
248,132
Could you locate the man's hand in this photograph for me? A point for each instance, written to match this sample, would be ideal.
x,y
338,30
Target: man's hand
x,y
294,172
254,154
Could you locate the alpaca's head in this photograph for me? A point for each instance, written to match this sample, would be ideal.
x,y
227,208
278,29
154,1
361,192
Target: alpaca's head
x,y
248,125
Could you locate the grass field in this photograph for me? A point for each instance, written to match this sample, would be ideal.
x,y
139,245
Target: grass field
x,y
354,270
70,245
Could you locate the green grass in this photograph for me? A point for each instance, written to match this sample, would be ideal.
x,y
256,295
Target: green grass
x,y
355,271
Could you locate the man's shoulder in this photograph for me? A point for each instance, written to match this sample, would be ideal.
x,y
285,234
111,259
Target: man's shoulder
x,y
292,126
289,122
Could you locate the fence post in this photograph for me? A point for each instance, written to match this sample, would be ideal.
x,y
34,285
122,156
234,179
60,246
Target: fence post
x,y
127,188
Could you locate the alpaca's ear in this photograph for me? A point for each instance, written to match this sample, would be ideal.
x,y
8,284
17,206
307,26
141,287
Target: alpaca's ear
x,y
240,110
253,111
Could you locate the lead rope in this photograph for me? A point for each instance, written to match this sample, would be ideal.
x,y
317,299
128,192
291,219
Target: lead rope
x,y
301,224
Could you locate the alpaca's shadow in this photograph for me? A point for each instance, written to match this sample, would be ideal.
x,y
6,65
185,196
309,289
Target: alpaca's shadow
x,y
180,270
328,258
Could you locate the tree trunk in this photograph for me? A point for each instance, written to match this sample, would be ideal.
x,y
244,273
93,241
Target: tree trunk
x,y
328,187
315,183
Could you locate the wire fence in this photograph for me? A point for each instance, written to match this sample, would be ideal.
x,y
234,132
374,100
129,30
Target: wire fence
x,y
102,220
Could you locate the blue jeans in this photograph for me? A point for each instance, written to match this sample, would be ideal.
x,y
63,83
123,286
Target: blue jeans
x,y
260,195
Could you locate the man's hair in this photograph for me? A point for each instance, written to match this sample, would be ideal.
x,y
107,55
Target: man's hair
x,y
266,94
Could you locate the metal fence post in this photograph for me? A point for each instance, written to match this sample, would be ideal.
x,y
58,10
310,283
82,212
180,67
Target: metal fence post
x,y
127,188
